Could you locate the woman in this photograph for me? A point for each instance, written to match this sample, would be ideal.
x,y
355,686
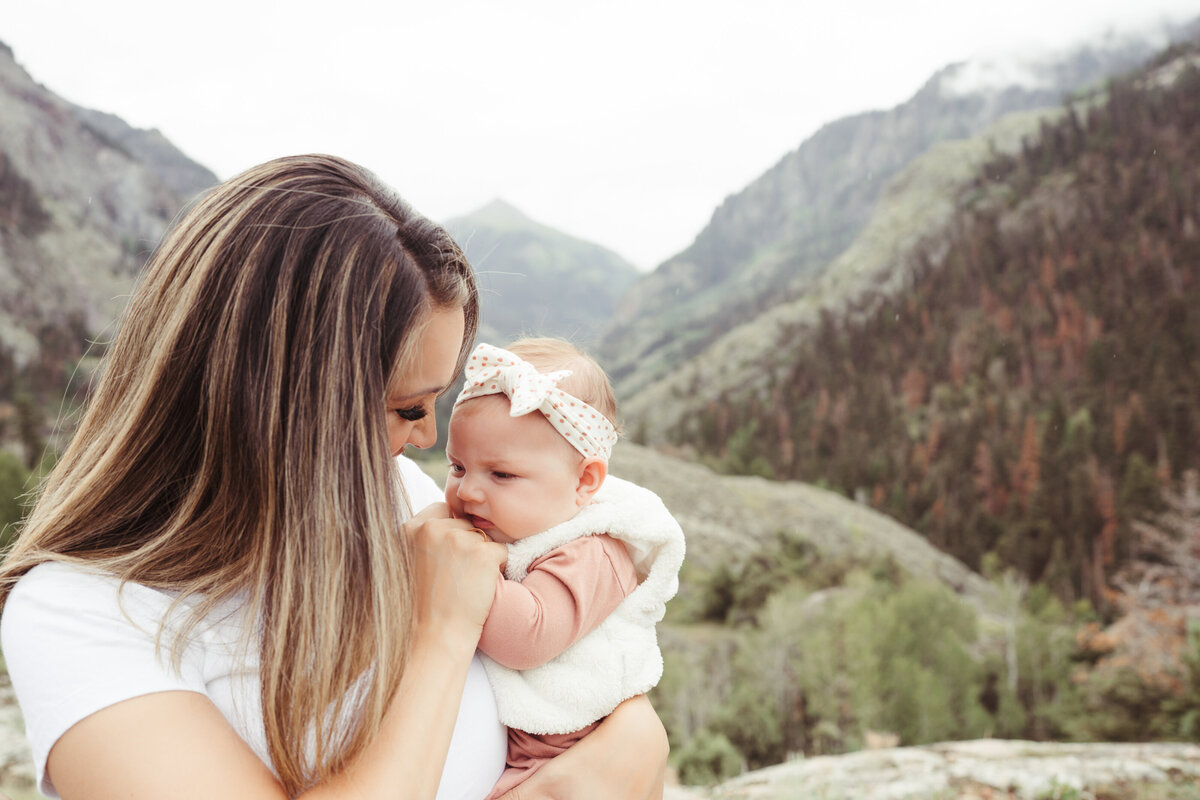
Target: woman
x,y
214,595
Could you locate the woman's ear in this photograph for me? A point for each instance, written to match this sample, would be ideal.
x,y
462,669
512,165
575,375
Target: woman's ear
x,y
592,472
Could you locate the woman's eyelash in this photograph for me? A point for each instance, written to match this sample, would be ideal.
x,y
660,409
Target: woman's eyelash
x,y
413,414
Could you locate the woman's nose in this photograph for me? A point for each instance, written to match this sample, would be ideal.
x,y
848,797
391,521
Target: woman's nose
x,y
424,433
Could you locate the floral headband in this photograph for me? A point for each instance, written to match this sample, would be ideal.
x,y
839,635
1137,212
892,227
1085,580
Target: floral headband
x,y
491,370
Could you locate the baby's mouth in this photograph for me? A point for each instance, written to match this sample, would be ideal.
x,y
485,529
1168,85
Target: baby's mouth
x,y
480,522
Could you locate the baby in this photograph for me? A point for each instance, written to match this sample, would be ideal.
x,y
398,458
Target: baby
x,y
592,559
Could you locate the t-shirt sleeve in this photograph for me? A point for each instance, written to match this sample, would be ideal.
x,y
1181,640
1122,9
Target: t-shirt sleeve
x,y
422,490
73,648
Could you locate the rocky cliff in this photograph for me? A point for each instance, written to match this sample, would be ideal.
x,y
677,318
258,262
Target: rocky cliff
x,y
84,198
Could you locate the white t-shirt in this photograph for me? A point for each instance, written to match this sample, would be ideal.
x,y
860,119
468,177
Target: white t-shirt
x,y
72,649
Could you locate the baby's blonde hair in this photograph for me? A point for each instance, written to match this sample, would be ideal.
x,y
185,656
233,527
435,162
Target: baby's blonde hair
x,y
587,380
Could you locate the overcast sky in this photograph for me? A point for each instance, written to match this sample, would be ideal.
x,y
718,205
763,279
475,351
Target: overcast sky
x,y
623,122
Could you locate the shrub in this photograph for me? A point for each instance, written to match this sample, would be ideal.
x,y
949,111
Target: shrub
x,y
13,479
708,758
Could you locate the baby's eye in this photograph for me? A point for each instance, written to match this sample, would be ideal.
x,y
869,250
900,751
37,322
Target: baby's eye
x,y
456,469
503,475
414,414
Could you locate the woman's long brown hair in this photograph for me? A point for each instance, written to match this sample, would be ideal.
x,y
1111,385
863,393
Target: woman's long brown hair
x,y
235,447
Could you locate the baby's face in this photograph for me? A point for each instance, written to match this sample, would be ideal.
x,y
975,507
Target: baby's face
x,y
511,477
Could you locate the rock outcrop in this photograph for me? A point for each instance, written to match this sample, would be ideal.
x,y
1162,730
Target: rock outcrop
x,y
987,768
16,766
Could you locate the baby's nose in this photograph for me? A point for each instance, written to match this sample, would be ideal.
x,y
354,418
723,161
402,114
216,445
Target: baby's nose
x,y
468,489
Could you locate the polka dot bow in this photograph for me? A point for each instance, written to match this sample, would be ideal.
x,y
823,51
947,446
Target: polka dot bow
x,y
492,370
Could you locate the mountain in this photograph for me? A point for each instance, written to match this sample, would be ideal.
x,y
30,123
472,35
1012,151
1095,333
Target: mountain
x,y
917,203
728,518
1003,359
84,198
770,242
535,280
1031,386
172,168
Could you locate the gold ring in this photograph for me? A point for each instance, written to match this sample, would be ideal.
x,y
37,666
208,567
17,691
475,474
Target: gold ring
x,y
486,538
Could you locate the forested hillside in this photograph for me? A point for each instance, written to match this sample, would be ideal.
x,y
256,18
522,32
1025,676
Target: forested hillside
x,y
1035,385
1029,400
766,244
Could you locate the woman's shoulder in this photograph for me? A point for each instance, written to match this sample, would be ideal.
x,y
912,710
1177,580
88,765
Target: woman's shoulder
x,y
58,587
59,598
59,584
57,605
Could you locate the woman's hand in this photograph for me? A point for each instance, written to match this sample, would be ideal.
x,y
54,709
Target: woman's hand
x,y
455,569
626,757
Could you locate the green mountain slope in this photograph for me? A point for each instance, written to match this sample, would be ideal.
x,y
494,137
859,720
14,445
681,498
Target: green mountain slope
x,y
917,203
535,280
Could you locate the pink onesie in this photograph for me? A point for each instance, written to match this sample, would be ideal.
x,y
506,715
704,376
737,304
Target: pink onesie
x,y
567,593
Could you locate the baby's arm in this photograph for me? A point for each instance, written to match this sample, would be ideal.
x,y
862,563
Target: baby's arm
x,y
566,594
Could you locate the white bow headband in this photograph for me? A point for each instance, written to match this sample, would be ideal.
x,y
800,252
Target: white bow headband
x,y
491,370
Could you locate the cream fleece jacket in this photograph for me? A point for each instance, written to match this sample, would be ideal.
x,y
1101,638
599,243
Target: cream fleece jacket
x,y
620,658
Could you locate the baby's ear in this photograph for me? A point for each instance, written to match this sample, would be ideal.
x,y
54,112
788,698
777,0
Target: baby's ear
x,y
592,472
